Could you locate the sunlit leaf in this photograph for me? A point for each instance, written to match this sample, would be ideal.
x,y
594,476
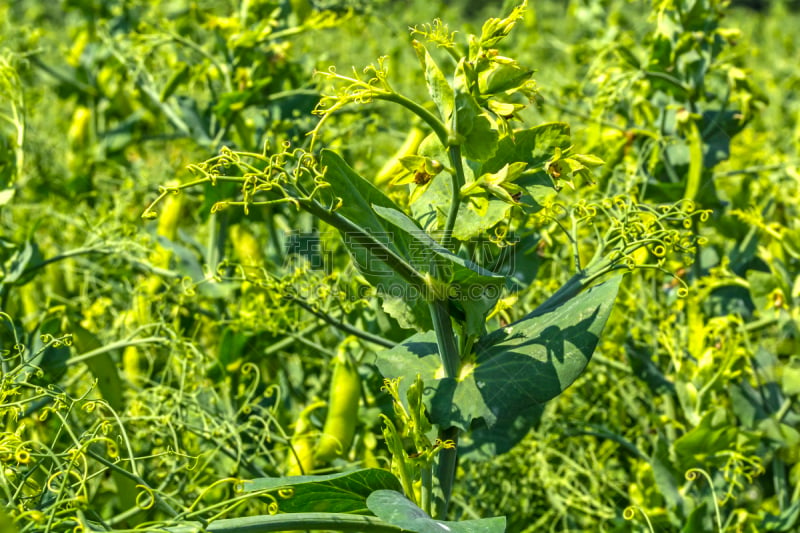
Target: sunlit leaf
x,y
523,364
394,508
345,492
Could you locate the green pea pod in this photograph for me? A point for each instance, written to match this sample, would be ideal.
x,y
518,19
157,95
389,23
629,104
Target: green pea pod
x,y
340,424
301,458
78,133
393,167
247,250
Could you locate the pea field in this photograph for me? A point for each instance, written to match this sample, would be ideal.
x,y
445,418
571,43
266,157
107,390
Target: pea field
x,y
399,266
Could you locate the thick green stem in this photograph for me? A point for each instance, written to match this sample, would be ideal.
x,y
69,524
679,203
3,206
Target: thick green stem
x,y
445,338
446,471
427,488
448,351
454,151
294,521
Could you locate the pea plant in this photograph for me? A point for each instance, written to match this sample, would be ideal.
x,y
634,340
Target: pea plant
x,y
438,243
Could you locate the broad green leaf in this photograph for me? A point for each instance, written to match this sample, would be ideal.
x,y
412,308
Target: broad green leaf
x,y
666,478
471,287
534,146
358,195
765,285
105,370
477,213
791,378
48,354
783,434
18,269
503,77
699,519
397,510
539,356
440,91
345,492
480,135
516,367
103,367
718,128
484,443
712,435
627,55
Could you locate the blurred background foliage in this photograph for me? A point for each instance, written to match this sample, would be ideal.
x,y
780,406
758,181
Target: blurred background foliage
x,y
166,354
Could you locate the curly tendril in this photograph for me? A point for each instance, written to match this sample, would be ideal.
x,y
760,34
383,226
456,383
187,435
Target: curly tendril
x,y
146,492
630,513
66,474
695,473
22,456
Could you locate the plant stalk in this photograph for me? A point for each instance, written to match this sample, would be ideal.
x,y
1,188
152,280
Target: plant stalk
x,y
448,351
454,151
427,487
446,471
290,522
445,338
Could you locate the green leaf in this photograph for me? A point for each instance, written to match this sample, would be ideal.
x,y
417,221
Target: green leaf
x,y
718,128
334,493
791,378
440,91
103,367
48,354
26,259
503,77
397,510
357,193
698,520
479,133
664,475
478,213
534,146
483,443
762,285
526,363
403,302
470,286
712,435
